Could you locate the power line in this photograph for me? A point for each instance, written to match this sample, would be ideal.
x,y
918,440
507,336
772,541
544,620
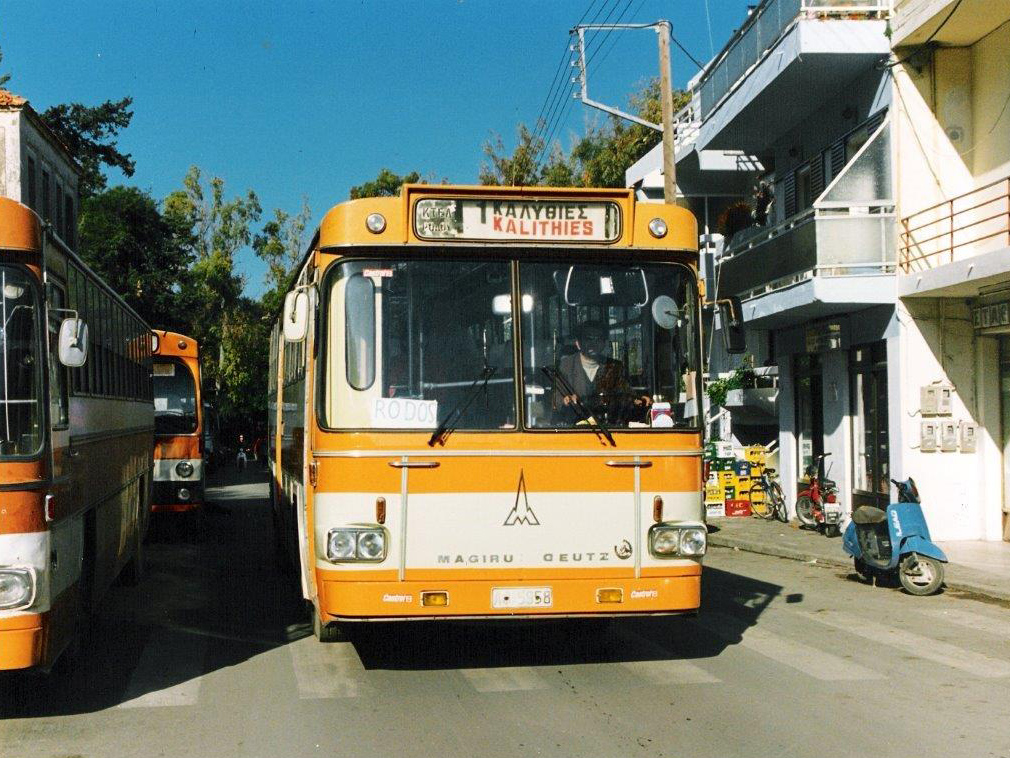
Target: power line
x,y
921,45
614,43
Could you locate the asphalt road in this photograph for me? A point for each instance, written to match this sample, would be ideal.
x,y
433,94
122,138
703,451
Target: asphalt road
x,y
212,656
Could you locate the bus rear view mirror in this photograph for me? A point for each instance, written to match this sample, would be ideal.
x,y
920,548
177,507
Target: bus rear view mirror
x,y
733,334
596,285
296,316
73,344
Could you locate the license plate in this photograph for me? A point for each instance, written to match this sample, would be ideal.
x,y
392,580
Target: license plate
x,y
521,597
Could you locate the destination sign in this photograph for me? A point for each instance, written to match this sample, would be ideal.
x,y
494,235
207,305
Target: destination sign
x,y
544,220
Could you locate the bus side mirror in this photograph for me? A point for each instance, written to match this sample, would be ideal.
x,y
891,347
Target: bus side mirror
x,y
73,343
296,316
731,317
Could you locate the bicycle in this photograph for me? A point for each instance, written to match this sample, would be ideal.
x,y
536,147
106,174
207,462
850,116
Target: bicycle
x,y
772,502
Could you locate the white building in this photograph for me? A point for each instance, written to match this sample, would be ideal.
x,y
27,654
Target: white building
x,y
35,167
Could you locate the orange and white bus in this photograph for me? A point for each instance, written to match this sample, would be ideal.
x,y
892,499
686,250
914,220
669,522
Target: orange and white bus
x,y
76,435
178,424
486,403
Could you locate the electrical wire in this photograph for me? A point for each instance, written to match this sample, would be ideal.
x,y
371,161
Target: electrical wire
x,y
921,45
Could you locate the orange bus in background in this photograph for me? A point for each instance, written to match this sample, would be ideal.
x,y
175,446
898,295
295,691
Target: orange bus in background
x,y
178,424
485,402
76,435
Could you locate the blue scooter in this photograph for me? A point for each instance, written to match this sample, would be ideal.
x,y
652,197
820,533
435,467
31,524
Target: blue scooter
x,y
896,541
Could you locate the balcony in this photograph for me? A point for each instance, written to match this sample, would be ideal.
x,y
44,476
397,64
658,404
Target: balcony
x,y
957,247
915,21
786,47
835,257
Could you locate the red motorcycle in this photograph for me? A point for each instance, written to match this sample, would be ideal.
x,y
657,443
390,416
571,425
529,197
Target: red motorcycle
x,y
817,505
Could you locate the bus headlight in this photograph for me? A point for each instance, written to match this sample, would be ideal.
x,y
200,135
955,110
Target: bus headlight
x,y
184,469
371,545
17,588
670,541
341,545
356,544
665,541
693,541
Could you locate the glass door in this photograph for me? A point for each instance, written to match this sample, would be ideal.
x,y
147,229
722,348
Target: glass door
x,y
1004,389
871,482
809,412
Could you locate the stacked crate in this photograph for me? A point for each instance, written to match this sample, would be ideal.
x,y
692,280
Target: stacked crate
x,y
728,487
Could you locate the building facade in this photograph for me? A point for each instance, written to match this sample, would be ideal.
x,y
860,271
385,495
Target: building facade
x,y
35,167
850,162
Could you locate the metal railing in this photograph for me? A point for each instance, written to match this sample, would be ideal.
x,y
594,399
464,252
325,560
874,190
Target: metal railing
x,y
762,30
971,224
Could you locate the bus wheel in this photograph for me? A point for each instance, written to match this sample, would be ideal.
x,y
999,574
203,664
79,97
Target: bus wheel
x,y
330,632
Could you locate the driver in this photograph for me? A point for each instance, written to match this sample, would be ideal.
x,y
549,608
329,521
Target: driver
x,y
595,379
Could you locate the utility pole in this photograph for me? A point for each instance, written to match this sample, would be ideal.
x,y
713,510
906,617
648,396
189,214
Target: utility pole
x,y
663,32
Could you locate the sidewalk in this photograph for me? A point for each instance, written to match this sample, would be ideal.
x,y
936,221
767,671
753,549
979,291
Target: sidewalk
x,y
979,567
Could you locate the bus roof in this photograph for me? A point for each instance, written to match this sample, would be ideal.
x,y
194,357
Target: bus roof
x,y
345,224
173,343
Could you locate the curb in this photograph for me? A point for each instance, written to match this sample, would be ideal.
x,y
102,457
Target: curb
x,y
779,551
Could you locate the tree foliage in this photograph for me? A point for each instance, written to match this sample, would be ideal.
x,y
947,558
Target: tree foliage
x,y
4,78
281,244
132,246
386,184
90,134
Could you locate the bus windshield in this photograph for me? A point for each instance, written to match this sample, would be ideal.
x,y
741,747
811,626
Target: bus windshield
x,y
415,344
616,344
412,343
21,424
174,398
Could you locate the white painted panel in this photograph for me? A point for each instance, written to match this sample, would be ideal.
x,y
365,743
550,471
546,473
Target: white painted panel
x,y
28,550
164,470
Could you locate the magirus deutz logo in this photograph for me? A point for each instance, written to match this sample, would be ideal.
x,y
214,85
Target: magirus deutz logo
x,y
521,512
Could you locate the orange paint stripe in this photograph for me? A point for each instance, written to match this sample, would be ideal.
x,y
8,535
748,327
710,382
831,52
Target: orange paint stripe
x,y
504,574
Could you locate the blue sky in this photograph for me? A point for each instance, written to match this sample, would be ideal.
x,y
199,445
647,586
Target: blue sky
x,y
298,99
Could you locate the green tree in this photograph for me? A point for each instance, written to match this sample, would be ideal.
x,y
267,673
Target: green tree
x,y
124,238
90,133
518,168
281,245
386,184
215,230
244,364
4,78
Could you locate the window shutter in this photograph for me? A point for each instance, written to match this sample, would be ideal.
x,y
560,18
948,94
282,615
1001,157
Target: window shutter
x,y
789,194
817,177
837,158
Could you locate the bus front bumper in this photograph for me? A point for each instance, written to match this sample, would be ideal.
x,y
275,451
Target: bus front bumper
x,y
169,496
341,600
21,639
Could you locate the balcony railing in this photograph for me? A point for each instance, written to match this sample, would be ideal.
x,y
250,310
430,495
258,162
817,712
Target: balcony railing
x,y
965,226
837,241
761,31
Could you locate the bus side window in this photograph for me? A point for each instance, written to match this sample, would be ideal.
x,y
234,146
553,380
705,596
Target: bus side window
x,y
359,325
58,398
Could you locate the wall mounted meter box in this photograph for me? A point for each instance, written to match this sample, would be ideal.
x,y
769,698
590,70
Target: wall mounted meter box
x,y
948,436
969,435
927,436
936,399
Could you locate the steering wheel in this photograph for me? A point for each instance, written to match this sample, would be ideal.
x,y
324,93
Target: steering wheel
x,y
618,406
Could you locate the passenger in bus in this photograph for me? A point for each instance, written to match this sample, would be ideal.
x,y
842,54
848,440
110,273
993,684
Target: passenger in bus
x,y
599,383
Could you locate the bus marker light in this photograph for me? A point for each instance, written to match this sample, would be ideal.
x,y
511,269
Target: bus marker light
x,y
380,510
182,344
657,508
184,494
376,223
50,508
657,228
440,599
610,595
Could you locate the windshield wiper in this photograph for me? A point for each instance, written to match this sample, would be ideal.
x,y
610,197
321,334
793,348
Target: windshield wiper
x,y
449,424
586,415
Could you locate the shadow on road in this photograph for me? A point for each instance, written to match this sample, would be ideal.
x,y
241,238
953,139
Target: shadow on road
x,y
426,645
215,595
